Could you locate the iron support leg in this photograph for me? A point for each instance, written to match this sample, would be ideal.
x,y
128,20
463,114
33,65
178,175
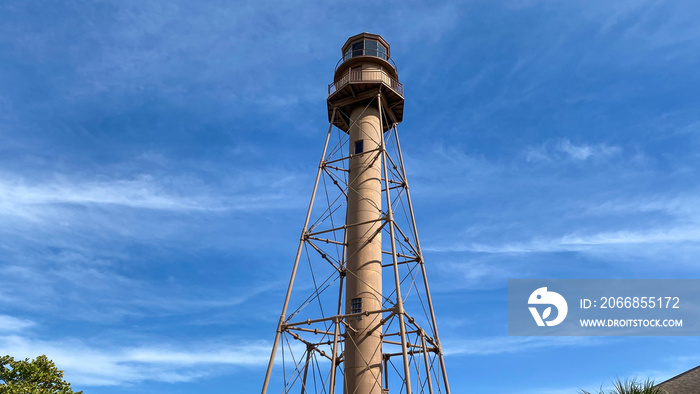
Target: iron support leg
x,y
296,261
397,280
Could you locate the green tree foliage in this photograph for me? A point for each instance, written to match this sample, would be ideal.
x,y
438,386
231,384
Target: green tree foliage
x,y
630,387
38,376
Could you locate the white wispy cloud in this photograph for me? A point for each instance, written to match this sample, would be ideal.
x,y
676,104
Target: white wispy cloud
x,y
474,273
87,365
10,324
672,235
501,345
564,149
578,242
25,198
680,225
683,208
38,200
82,287
583,152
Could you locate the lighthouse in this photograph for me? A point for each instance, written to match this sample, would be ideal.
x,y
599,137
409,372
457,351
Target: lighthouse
x,y
365,76
377,332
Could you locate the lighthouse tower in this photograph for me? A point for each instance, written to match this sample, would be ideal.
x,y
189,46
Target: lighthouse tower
x,y
360,240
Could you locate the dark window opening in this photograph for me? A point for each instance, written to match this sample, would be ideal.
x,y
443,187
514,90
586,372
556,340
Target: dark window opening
x,y
366,48
359,146
371,48
357,48
356,305
382,52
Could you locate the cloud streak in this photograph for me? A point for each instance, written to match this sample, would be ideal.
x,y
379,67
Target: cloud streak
x,y
575,242
503,345
564,149
37,200
87,365
21,198
10,324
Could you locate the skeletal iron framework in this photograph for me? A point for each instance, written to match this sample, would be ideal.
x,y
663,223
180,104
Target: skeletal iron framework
x,y
312,332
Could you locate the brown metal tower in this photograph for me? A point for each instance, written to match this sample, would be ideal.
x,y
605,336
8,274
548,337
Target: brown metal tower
x,y
363,318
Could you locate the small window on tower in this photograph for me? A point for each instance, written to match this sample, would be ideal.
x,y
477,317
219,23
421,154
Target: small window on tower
x,y
356,305
359,146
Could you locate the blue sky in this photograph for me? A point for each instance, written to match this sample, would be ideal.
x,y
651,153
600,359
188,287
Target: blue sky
x,y
156,161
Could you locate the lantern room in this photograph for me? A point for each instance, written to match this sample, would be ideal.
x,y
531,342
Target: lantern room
x,y
365,70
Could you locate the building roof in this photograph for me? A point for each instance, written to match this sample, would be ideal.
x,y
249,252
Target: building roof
x,y
686,383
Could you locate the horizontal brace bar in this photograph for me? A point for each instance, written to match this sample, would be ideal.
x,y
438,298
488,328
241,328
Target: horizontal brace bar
x,y
345,226
398,333
400,262
328,241
340,317
315,331
403,256
399,343
335,161
338,168
305,342
392,188
430,349
351,156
